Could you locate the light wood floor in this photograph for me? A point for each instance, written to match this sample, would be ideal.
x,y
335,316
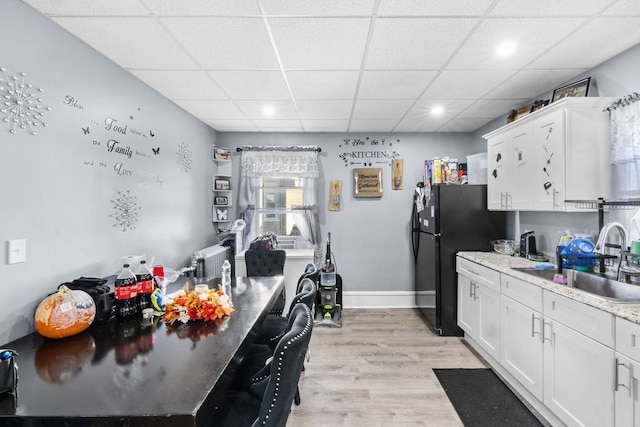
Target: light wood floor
x,y
376,371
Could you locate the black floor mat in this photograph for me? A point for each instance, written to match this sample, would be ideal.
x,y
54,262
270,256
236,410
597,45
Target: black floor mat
x,y
481,399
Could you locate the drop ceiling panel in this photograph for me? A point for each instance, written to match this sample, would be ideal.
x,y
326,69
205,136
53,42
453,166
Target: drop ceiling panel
x,y
283,110
130,42
415,43
532,36
422,108
232,125
203,7
381,109
212,110
396,84
320,43
278,125
323,84
624,8
90,7
465,84
181,84
252,84
318,8
415,124
325,125
225,43
537,8
324,110
433,7
372,125
592,44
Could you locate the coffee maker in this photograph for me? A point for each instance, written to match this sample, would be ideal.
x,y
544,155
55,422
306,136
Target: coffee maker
x,y
528,244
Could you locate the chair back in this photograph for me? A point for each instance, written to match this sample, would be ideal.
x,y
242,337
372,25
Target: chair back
x,y
286,366
306,294
264,263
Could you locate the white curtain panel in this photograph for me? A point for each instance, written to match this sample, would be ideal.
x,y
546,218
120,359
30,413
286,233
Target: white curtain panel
x,y
625,150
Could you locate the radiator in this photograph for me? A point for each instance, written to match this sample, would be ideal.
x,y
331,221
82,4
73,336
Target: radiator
x,y
209,260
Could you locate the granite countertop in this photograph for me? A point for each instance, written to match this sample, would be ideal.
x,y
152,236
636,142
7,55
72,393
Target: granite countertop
x,y
505,263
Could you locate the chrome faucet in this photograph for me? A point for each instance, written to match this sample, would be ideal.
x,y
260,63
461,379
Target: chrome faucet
x,y
601,245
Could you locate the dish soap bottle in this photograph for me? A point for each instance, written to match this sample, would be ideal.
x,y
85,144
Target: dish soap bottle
x,y
562,243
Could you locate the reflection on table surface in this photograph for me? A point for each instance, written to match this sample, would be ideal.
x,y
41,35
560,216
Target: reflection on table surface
x,y
156,374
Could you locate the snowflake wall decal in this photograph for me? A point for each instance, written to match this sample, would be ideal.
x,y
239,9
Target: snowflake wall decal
x,y
184,157
126,210
20,103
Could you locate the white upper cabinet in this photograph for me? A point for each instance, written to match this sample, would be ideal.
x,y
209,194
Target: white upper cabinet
x,y
554,154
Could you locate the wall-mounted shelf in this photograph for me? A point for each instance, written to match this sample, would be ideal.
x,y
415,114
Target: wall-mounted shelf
x,y
222,190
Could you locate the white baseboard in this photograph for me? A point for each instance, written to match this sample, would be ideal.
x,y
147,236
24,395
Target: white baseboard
x,y
379,299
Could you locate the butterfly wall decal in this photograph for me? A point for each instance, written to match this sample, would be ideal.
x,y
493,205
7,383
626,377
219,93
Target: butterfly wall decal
x,y
130,116
222,213
152,134
86,130
156,151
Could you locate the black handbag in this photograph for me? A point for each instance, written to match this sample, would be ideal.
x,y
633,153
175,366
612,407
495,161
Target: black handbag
x,y
8,371
265,242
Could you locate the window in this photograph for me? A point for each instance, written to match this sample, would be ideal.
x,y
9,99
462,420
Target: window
x,y
277,196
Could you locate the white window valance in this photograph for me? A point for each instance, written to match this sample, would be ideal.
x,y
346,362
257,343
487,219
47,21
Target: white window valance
x,y
280,162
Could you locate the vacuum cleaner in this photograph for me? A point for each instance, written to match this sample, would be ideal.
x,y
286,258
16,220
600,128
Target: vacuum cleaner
x,y
328,302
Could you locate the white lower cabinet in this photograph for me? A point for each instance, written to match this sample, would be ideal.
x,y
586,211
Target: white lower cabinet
x,y
578,377
627,374
479,306
559,350
522,346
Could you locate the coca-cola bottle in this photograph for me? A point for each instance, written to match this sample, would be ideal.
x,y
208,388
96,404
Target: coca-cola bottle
x,y
145,284
125,293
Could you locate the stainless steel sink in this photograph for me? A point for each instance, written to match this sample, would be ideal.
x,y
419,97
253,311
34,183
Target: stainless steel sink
x,y
593,284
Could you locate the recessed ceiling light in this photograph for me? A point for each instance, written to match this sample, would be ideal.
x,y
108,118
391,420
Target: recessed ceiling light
x,y
268,111
437,110
506,48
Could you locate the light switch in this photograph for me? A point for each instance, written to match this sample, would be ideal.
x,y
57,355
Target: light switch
x,y
17,251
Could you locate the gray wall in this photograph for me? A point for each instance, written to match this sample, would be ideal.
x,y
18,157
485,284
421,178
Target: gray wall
x,y
370,238
616,77
58,187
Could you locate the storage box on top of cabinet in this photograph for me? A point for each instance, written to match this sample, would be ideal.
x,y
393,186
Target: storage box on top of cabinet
x,y
563,149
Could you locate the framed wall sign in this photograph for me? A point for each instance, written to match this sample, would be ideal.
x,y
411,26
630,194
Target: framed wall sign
x,y
367,182
222,184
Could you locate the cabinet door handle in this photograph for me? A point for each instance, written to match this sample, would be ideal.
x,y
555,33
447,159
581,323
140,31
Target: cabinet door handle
x,y
503,204
555,198
618,384
544,335
506,200
471,286
533,321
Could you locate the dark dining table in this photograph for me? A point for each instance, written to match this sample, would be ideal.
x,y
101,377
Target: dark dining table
x,y
127,373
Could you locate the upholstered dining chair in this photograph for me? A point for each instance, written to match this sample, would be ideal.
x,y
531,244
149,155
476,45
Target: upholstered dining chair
x,y
260,262
268,401
267,337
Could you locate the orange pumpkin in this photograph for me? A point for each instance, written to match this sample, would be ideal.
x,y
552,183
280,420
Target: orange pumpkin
x,y
65,313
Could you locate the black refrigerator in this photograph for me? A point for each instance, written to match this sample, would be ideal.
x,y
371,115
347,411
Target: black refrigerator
x,y
455,218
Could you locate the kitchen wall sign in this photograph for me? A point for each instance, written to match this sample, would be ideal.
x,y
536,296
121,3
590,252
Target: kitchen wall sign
x,y
367,182
369,151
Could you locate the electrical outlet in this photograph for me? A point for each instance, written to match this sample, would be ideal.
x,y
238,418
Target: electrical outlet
x,y
17,251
